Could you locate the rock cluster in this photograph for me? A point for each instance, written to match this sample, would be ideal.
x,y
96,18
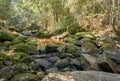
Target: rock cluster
x,y
23,61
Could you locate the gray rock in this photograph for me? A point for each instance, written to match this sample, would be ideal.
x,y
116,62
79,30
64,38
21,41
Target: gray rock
x,y
89,62
89,48
42,63
61,63
53,59
26,33
8,63
34,66
22,68
118,68
40,74
65,55
76,63
82,76
7,72
52,70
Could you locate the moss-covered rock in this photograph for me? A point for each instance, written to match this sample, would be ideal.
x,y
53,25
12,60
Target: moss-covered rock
x,y
81,35
3,57
7,72
25,77
71,48
50,48
89,48
41,34
27,60
19,39
76,63
17,57
6,36
21,47
108,44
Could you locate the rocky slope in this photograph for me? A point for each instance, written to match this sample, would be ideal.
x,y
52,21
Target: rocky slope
x,y
24,57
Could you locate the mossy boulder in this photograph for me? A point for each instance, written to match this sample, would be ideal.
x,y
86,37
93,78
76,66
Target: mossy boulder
x,y
68,48
41,34
3,56
71,48
6,36
17,57
89,48
107,44
81,35
19,39
21,47
50,48
25,77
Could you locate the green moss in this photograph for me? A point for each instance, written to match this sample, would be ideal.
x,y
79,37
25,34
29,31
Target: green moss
x,y
21,47
81,35
72,48
19,39
17,57
3,57
6,36
51,48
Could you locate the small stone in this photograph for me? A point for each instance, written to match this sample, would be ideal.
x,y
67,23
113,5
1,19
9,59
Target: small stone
x,y
53,59
65,55
26,33
42,63
52,70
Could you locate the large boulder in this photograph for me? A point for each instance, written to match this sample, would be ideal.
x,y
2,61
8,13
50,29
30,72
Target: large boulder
x,y
101,62
89,62
108,44
82,76
89,46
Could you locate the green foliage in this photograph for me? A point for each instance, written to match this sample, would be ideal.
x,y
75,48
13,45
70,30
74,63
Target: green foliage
x,y
4,9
